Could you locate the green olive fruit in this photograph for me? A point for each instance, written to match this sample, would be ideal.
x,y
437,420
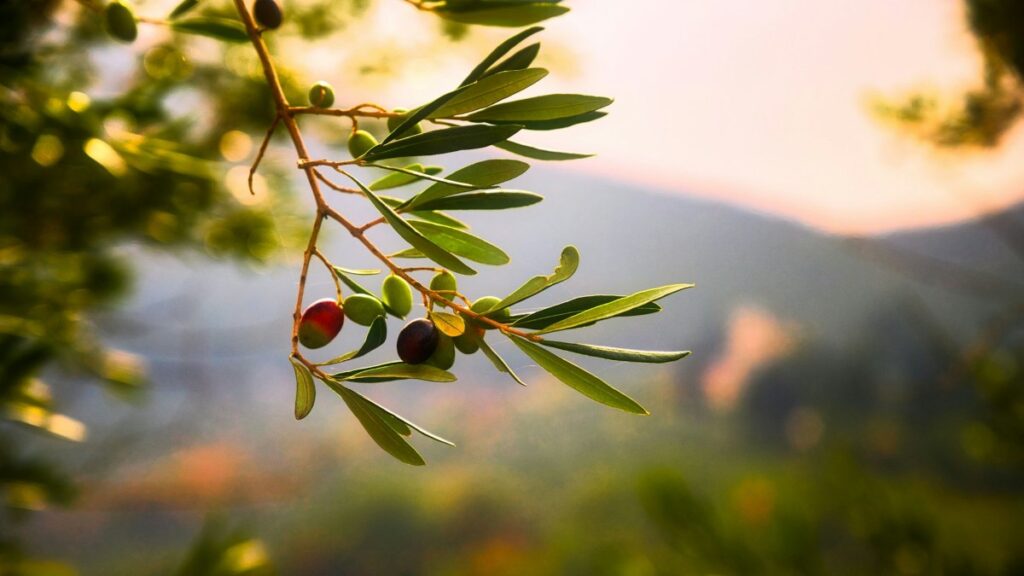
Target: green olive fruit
x,y
360,142
417,341
396,121
483,305
397,295
363,309
321,95
445,283
120,19
469,341
268,13
320,323
444,355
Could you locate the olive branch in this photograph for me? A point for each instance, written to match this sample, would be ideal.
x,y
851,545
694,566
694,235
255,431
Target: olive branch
x,y
476,114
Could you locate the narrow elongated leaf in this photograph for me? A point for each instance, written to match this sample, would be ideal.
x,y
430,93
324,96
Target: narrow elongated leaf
x,y
483,174
577,378
510,15
305,389
398,179
218,28
499,363
183,8
442,141
489,90
615,307
623,354
538,153
439,218
548,316
449,324
400,424
410,235
567,265
462,243
413,117
557,123
381,430
375,336
359,271
496,54
407,253
395,371
501,200
549,107
419,174
518,61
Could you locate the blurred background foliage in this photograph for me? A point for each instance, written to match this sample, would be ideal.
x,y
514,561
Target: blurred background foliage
x,y
903,454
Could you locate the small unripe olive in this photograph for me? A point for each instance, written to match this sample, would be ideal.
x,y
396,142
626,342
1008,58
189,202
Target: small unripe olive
x,y
268,13
397,295
444,355
363,309
469,341
417,341
483,305
320,323
444,282
120,20
396,121
360,142
321,95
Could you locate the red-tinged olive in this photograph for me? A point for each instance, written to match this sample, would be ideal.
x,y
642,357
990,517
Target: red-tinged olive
x,y
444,355
360,142
417,341
321,321
267,13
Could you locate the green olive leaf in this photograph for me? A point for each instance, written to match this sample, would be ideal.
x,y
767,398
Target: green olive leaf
x,y
567,265
622,354
518,61
541,108
507,14
538,153
375,337
449,324
499,200
546,317
442,141
305,389
577,378
439,218
398,179
380,428
462,243
499,363
614,308
482,174
496,54
394,371
419,174
410,235
217,28
398,423
489,90
183,8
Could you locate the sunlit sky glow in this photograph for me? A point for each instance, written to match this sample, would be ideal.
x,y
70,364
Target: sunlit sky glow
x,y
763,104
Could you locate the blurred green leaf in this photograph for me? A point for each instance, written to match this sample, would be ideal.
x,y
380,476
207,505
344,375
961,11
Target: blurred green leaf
x,y
489,90
442,141
305,389
623,354
183,8
217,28
538,153
502,49
502,200
483,174
462,243
615,307
548,316
539,108
518,61
375,337
567,265
397,179
577,378
410,235
508,14
499,363
421,175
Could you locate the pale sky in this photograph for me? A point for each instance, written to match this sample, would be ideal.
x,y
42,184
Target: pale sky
x,y
761,103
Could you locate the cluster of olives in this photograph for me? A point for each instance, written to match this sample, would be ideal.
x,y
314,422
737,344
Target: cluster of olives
x,y
420,341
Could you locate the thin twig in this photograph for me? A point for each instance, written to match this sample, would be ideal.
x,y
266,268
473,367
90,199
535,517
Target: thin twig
x,y
262,151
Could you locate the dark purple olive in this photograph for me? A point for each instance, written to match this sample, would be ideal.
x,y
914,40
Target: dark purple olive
x,y
267,13
417,341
